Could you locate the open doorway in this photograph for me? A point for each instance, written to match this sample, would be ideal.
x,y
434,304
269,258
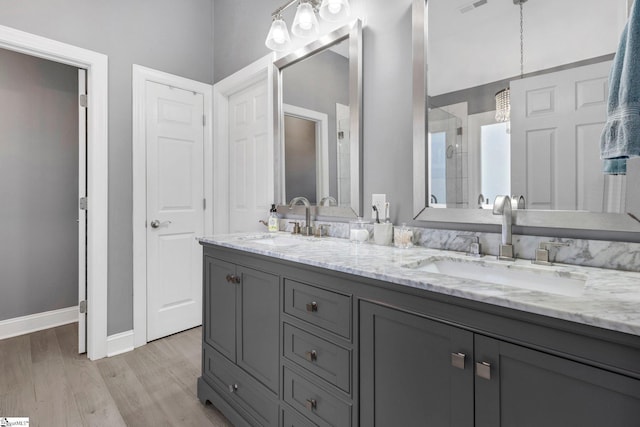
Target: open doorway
x,y
42,178
96,68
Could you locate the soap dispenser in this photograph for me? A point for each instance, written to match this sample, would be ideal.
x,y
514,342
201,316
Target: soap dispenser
x,y
273,219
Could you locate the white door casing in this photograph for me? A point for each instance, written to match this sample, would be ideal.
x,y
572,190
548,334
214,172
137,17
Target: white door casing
x,y
82,213
181,197
97,154
259,71
556,121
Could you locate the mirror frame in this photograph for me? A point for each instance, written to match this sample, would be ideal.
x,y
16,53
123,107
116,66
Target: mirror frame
x,y
353,33
559,220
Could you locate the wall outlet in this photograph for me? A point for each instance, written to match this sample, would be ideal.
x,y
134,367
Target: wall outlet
x,y
378,200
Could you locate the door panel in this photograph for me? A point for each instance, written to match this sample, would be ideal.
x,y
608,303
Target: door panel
x,y
175,211
82,213
250,174
259,322
529,388
220,294
556,122
407,378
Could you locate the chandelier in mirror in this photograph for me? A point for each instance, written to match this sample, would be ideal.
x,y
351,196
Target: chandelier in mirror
x,y
503,98
305,23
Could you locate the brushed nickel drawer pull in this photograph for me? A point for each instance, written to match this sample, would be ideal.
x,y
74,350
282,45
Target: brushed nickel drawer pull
x,y
233,388
311,404
312,307
311,356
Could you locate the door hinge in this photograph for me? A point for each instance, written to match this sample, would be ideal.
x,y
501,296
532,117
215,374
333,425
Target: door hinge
x,y
459,131
83,307
84,203
204,204
83,101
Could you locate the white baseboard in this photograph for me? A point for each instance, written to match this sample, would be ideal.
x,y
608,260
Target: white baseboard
x,y
37,322
119,343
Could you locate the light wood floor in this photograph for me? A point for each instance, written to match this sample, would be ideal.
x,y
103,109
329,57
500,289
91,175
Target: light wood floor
x,y
42,377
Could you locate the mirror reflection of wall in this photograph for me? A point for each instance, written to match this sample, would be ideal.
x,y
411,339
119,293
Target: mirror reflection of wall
x,y
318,84
300,157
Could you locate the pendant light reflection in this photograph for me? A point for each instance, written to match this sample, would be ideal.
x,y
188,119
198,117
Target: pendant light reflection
x,y
503,98
278,38
335,10
305,23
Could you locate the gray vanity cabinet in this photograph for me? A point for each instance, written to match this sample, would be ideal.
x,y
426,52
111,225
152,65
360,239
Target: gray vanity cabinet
x,y
407,372
241,339
528,388
416,371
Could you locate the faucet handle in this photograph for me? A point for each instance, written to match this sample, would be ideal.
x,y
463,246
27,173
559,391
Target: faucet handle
x,y
296,227
542,253
322,228
475,248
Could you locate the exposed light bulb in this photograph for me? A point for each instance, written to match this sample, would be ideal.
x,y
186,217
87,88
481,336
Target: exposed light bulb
x,y
335,10
305,23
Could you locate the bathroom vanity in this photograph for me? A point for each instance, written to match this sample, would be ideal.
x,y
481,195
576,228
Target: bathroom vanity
x,y
303,331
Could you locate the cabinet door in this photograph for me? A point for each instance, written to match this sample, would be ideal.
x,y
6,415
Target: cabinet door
x,y
220,306
528,388
258,325
407,377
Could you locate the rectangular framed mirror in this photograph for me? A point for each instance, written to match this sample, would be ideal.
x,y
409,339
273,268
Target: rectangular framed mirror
x,y
318,124
554,58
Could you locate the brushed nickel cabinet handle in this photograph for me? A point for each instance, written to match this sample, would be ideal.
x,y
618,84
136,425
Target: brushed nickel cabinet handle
x,y
312,307
483,370
233,388
457,360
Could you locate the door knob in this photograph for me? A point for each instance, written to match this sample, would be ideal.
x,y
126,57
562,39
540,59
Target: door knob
x,y
156,223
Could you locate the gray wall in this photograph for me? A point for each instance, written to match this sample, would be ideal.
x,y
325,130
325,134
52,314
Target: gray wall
x,y
300,158
317,83
387,87
168,35
38,185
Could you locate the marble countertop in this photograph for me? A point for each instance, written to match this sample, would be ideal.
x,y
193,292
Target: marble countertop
x,y
610,299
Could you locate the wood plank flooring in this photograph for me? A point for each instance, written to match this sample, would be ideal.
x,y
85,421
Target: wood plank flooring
x,y
42,377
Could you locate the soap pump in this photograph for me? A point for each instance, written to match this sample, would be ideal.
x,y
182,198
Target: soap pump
x,y
273,219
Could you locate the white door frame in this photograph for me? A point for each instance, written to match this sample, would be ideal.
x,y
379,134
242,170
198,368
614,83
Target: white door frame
x,y
322,147
140,76
222,91
96,65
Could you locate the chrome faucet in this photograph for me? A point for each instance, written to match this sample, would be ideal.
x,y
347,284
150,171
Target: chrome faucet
x,y
331,200
307,229
502,206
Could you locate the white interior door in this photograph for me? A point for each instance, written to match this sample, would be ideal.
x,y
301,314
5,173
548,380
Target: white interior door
x,y
556,121
82,213
250,159
175,211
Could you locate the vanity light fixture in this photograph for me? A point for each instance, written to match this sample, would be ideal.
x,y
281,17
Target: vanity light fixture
x,y
503,97
305,23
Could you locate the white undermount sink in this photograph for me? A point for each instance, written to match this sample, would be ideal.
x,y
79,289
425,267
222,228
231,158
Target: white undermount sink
x,y
277,240
521,274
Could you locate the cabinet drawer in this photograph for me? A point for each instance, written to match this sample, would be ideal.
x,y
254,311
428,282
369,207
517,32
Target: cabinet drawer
x,y
239,387
323,358
320,406
326,309
291,418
